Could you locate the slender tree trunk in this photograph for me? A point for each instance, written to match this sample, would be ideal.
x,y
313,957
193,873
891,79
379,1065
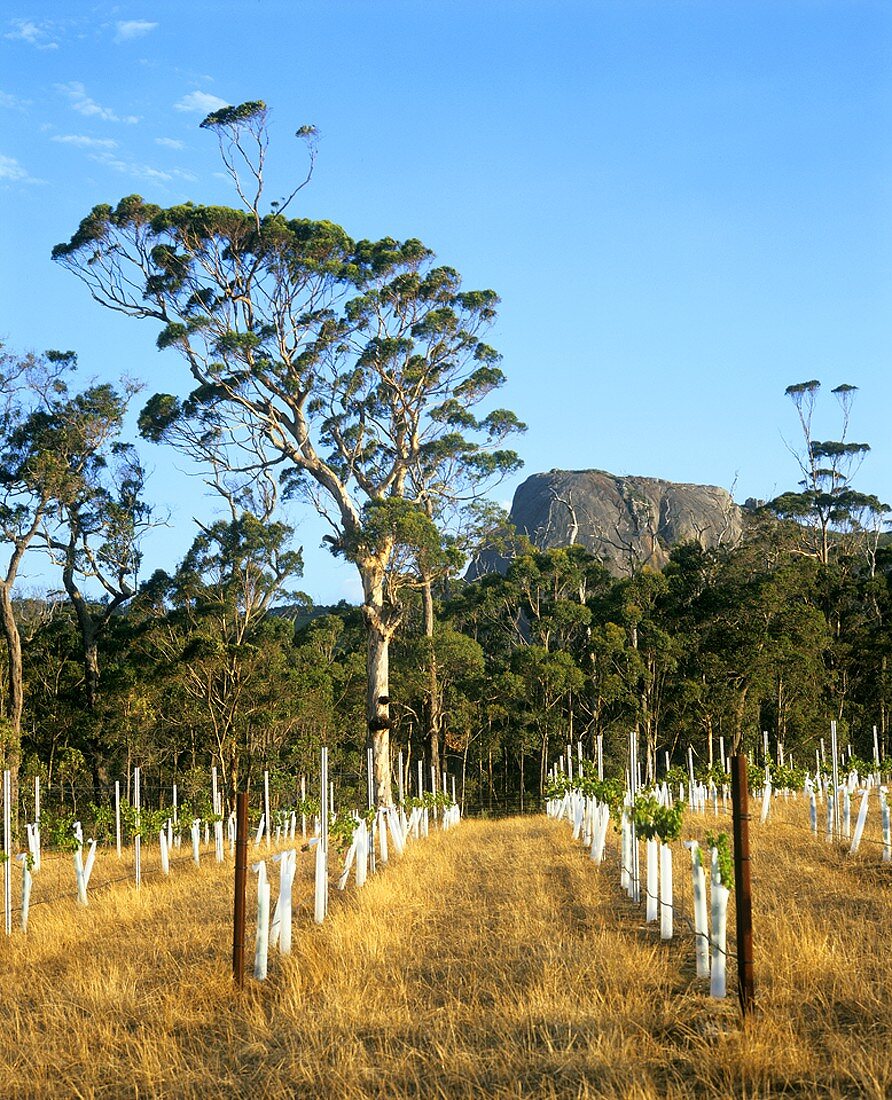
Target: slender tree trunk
x,y
11,738
464,774
738,721
506,777
91,672
16,693
232,786
90,628
434,717
89,638
378,702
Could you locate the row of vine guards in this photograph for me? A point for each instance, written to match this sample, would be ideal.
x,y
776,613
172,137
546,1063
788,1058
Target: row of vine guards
x,y
173,825
655,816
368,837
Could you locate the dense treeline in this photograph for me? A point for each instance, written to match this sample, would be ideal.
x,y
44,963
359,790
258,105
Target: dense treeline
x,y
724,643
215,664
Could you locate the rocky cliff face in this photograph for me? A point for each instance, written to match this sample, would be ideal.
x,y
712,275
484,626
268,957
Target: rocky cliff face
x,y
627,522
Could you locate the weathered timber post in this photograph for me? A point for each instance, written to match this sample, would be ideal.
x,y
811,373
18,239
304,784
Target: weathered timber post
x,y
241,878
137,839
741,829
7,850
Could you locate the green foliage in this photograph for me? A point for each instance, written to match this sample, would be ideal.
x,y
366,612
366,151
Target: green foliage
x,y
652,819
558,786
403,523
307,807
860,765
132,824
677,776
725,860
784,777
428,800
99,820
57,830
609,791
153,821
103,819
341,829
716,775
234,116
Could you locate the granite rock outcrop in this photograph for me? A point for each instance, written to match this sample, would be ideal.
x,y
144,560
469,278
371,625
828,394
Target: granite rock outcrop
x,y
627,522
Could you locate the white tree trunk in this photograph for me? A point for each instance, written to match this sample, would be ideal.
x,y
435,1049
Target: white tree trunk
x,y
378,702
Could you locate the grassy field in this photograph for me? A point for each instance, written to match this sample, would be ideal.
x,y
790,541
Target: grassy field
x,y
491,961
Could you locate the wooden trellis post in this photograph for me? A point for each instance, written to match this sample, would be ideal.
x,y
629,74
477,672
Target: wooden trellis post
x,y
241,879
742,887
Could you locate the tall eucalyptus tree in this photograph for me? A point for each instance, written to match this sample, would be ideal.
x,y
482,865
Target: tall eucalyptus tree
x,y
97,511
825,504
345,365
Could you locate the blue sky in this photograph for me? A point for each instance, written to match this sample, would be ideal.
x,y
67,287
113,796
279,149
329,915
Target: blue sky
x,y
685,206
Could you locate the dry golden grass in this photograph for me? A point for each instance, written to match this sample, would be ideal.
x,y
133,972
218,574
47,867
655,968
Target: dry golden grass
x,y
491,961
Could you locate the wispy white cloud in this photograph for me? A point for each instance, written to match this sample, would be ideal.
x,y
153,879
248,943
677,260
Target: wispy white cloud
x,y
145,172
83,104
35,34
13,172
129,29
170,143
13,103
84,142
10,169
200,103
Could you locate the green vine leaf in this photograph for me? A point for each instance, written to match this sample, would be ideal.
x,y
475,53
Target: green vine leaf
x,y
722,845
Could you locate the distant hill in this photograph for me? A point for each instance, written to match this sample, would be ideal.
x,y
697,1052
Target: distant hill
x,y
627,522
